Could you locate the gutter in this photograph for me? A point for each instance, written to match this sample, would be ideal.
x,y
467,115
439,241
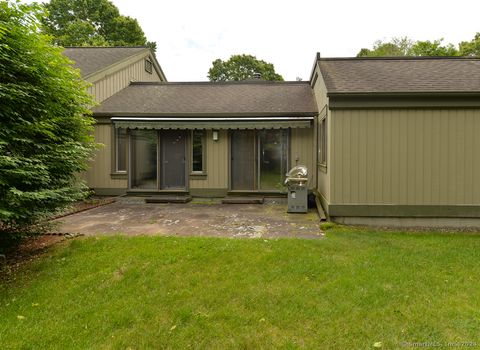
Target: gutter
x,y
210,119
227,116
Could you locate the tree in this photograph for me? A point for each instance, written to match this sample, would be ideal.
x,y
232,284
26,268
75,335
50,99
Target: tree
x,y
91,23
432,48
242,67
395,47
407,47
45,138
470,48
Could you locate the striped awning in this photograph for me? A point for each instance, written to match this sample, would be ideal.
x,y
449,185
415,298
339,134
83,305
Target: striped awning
x,y
213,123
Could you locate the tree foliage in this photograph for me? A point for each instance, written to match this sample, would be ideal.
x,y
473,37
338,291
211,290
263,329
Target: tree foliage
x,y
432,48
470,48
45,138
395,47
407,47
91,23
242,67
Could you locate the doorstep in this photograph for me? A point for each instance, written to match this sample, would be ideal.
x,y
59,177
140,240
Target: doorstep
x,y
242,200
168,199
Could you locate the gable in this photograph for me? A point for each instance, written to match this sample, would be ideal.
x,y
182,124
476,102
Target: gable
x,y
97,62
94,59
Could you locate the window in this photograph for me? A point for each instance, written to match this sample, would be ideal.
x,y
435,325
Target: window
x,y
198,139
148,66
322,141
120,150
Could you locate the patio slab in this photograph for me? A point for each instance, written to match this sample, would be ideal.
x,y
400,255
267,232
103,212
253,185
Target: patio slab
x,y
132,216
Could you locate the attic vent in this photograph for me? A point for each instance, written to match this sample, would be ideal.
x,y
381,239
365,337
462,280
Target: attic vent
x,y
148,66
257,76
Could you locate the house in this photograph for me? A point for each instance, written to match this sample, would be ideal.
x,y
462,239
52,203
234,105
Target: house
x,y
399,140
386,140
197,139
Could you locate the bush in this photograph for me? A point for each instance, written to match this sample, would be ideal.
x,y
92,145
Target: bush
x,y
46,132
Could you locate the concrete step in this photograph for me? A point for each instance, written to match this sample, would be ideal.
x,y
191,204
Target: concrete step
x,y
168,199
242,200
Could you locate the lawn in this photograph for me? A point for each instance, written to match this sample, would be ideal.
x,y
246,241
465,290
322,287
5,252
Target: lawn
x,y
355,289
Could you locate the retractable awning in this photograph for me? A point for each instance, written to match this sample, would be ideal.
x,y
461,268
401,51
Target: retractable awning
x,y
212,123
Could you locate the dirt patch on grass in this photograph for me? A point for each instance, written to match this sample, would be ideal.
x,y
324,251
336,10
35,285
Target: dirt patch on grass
x,y
27,250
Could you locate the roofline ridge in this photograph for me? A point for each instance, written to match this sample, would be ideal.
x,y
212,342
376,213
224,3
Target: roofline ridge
x,y
399,58
222,83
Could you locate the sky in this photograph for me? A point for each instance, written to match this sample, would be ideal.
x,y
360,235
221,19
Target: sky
x,y
190,34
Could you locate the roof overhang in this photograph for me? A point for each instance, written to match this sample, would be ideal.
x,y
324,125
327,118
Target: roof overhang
x,y
376,100
212,122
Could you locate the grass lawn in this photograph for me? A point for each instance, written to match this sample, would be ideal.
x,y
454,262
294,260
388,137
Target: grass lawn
x,y
349,291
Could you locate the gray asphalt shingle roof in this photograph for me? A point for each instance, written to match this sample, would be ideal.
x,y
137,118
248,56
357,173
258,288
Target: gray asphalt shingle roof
x,y
396,75
93,59
212,99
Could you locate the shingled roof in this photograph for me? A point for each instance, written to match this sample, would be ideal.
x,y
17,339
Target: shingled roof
x,y
248,98
401,75
93,59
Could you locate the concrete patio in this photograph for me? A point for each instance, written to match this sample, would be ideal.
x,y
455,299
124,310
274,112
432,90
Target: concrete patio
x,y
132,216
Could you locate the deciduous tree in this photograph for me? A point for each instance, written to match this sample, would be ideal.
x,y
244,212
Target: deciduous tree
x,y
470,48
242,67
395,47
432,48
92,23
407,47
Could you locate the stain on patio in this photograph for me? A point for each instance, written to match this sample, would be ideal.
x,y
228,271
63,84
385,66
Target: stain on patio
x,y
132,216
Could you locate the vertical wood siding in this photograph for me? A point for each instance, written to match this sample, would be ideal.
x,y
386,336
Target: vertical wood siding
x,y
406,157
302,152
119,80
216,163
98,176
323,175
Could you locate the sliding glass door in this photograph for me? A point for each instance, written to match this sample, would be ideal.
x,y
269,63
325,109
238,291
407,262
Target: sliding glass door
x,y
173,146
272,160
158,159
259,159
143,159
243,160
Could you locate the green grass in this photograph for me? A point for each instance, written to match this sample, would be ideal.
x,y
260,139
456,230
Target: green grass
x,y
348,291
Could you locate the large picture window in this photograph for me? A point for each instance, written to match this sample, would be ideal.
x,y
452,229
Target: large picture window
x,y
198,146
120,150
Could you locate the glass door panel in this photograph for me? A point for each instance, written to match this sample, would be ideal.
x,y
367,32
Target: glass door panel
x,y
243,160
143,155
173,159
273,153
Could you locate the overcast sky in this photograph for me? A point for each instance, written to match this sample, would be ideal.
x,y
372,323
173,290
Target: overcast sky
x,y
190,34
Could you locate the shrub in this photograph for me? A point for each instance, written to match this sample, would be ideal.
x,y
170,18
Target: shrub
x,y
46,126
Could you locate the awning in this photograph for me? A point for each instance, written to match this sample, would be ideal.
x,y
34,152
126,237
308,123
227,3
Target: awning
x,y
213,123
